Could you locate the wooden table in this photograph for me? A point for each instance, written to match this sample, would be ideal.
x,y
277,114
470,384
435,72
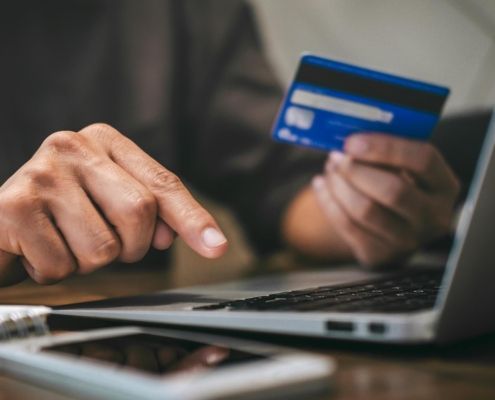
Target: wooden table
x,y
463,371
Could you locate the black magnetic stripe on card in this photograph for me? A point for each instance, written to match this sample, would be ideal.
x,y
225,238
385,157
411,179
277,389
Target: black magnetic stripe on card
x,y
370,88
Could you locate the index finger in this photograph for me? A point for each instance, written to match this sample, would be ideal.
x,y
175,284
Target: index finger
x,y
421,159
176,206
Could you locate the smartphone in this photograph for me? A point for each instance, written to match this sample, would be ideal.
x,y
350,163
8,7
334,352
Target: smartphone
x,y
145,363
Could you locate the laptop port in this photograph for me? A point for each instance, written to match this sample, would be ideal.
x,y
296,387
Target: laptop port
x,y
340,326
377,328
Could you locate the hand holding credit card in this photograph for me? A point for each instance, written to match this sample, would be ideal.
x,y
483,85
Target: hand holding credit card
x,y
329,100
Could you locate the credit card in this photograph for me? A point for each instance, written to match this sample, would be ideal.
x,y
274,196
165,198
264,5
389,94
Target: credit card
x,y
329,100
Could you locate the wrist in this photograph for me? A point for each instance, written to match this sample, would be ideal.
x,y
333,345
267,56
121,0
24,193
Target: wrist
x,y
306,229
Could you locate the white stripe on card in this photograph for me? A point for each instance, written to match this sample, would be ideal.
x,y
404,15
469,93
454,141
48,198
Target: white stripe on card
x,y
340,106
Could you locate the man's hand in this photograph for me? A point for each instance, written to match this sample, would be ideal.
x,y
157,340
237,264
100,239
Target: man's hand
x,y
91,197
381,199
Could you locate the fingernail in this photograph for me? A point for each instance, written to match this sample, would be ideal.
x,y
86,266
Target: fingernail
x,y
357,146
337,157
212,237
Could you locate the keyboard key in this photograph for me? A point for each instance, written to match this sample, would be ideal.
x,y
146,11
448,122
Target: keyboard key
x,y
398,294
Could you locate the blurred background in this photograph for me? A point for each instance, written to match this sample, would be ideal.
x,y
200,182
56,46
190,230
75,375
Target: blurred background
x,y
450,42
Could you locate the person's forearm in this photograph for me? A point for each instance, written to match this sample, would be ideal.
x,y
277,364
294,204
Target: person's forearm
x,y
306,229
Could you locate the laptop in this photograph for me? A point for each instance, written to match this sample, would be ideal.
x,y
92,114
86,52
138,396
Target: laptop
x,y
417,304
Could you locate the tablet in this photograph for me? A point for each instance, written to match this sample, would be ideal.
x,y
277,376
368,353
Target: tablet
x,y
145,363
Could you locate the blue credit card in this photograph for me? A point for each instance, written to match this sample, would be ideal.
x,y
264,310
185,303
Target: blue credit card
x,y
329,100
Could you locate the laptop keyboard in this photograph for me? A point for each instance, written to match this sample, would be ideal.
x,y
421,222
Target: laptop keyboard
x,y
404,293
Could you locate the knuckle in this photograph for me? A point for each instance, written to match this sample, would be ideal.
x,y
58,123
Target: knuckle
x,y
99,129
106,248
166,181
64,142
41,175
103,133
141,206
52,275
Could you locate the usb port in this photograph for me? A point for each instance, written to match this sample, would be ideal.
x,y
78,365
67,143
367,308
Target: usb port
x,y
340,326
377,328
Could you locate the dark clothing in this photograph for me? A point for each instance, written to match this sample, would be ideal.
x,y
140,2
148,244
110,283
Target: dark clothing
x,y
186,80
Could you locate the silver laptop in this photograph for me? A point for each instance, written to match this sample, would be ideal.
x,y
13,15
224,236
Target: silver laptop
x,y
414,305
